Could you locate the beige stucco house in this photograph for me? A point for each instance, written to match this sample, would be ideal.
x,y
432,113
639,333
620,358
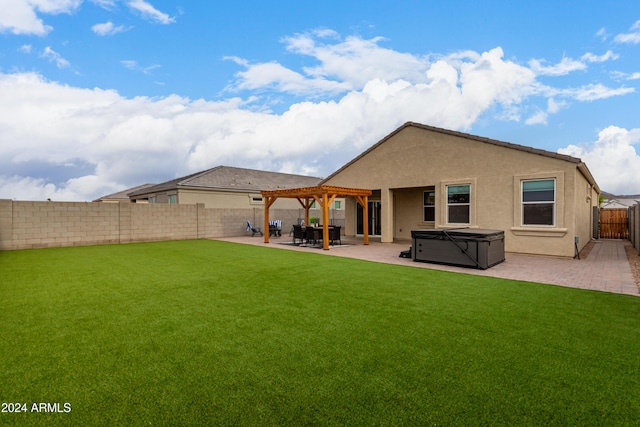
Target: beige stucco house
x,y
121,196
620,202
233,188
223,187
425,177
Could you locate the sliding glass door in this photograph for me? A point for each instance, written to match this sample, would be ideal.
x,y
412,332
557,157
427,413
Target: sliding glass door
x,y
374,220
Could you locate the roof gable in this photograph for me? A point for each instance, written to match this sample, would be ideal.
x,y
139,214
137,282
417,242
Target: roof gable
x,y
494,142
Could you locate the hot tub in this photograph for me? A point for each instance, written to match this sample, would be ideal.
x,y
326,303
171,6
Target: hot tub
x,y
465,247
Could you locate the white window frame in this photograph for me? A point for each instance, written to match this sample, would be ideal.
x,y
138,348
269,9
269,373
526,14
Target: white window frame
x,y
553,203
468,204
442,215
558,229
256,199
433,206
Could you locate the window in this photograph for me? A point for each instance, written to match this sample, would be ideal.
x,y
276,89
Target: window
x,y
458,204
172,199
538,202
256,199
429,211
152,199
337,204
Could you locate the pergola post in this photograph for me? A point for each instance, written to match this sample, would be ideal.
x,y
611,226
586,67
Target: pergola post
x,y
268,202
325,222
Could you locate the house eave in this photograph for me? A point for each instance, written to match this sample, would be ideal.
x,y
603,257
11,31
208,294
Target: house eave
x,y
582,167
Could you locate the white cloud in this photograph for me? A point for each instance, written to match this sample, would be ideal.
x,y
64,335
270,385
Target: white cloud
x,y
554,106
25,188
105,4
55,57
608,55
117,142
150,13
25,48
29,188
344,65
133,65
107,29
354,63
54,6
276,77
592,92
539,118
632,37
564,67
618,75
355,60
602,33
21,17
612,159
568,65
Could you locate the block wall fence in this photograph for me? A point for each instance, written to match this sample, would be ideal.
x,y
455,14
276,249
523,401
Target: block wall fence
x,y
28,225
634,226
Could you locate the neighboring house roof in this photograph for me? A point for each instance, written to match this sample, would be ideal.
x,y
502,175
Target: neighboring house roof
x,y
122,195
583,168
233,179
618,203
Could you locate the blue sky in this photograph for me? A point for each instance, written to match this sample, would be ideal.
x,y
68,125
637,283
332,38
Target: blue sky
x,y
100,95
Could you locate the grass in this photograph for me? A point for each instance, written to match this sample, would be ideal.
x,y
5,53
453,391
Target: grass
x,y
205,332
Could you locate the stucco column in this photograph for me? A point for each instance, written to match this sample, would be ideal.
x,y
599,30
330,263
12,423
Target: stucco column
x,y
387,215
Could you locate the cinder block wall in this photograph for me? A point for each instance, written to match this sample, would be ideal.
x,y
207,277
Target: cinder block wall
x,y
51,224
634,226
27,225
6,224
158,222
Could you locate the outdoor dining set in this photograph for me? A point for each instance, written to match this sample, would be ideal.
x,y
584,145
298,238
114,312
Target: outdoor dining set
x,y
302,235
311,235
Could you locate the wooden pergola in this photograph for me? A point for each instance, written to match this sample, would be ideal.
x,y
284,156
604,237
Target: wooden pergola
x,y
324,195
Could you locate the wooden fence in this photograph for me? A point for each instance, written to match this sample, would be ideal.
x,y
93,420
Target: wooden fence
x,y
614,223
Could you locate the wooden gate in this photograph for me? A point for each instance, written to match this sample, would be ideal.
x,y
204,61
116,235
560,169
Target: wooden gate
x,y
614,223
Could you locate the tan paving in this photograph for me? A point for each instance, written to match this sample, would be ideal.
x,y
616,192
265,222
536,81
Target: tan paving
x,y
606,268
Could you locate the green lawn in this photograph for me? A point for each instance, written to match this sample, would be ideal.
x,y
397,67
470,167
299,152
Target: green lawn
x,y
206,332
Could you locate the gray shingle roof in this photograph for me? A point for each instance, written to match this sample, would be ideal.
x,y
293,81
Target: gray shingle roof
x,y
232,178
124,194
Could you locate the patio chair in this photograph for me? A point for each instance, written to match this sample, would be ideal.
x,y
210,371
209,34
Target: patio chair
x,y
310,235
253,229
334,235
275,228
298,234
